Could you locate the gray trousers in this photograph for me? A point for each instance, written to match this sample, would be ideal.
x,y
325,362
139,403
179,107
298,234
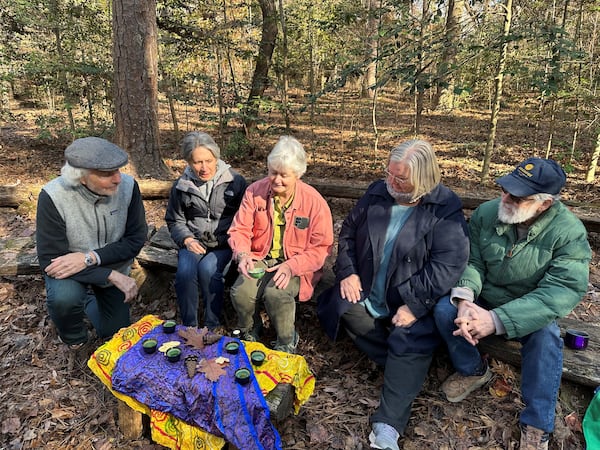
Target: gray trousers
x,y
280,304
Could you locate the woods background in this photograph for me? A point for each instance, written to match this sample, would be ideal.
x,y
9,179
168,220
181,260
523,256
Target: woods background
x,y
247,71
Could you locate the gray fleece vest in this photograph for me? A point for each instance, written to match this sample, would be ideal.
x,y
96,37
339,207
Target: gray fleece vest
x,y
92,221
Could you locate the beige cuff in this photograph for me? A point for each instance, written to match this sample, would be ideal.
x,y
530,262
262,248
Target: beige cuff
x,y
461,293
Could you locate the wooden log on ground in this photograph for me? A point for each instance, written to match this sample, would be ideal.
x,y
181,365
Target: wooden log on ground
x,y
18,256
580,366
16,194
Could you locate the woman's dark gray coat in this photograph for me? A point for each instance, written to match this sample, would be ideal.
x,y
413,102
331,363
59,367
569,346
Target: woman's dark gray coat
x,y
429,255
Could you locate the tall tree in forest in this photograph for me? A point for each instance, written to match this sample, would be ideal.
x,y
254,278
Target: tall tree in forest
x,y
260,79
591,172
371,50
444,93
489,147
284,67
136,85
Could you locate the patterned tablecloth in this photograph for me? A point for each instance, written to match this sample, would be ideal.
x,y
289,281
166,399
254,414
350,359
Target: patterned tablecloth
x,y
167,427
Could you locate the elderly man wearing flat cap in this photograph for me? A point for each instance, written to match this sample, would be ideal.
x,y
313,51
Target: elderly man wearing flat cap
x,y
90,225
528,266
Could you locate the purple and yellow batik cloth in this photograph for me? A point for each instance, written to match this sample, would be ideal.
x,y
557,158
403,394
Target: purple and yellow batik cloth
x,y
195,413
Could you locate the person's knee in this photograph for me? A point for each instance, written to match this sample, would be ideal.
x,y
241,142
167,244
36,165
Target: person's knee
x,y
444,312
65,300
242,296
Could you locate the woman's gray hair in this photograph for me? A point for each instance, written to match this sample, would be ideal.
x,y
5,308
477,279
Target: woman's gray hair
x,y
288,154
72,175
195,139
424,169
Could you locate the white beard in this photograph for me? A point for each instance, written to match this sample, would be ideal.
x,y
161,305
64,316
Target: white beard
x,y
510,215
400,197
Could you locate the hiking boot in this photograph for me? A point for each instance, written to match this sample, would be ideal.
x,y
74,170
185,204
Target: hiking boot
x,y
458,387
533,438
288,348
249,336
384,437
78,354
220,330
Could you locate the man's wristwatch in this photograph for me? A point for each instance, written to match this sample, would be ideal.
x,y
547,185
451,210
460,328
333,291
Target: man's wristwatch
x,y
89,260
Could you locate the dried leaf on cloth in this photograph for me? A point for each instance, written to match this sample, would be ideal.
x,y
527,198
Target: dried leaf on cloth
x,y
198,338
211,368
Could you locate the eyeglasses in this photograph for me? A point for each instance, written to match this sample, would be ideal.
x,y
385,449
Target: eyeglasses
x,y
396,179
517,200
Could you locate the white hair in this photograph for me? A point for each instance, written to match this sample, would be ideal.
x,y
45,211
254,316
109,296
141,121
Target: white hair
x,y
72,175
288,154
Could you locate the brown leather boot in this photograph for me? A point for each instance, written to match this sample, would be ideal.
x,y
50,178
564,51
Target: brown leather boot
x,y
533,438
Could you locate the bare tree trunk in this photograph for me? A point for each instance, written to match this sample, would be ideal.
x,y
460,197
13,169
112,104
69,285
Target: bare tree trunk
x,y
591,173
220,90
136,85
576,119
419,88
444,93
312,82
370,77
489,147
55,9
557,60
284,72
260,78
228,56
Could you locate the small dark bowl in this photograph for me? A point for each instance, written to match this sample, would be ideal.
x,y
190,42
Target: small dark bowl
x,y
257,357
150,345
242,376
173,354
169,326
232,347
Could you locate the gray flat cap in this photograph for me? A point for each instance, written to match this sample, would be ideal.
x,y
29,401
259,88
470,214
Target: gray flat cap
x,y
95,153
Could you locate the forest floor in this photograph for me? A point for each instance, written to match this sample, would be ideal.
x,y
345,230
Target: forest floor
x,y
46,405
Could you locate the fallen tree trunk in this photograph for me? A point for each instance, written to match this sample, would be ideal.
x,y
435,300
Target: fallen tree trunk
x,y
16,194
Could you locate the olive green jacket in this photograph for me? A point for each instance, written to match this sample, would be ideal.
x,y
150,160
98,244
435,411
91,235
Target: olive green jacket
x,y
531,282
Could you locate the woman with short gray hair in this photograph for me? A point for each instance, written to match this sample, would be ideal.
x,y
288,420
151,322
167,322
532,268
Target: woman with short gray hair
x,y
281,236
201,207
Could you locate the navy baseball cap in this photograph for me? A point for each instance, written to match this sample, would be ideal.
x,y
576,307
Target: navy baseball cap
x,y
534,176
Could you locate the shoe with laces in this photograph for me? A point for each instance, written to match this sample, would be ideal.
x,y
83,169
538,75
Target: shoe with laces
x,y
457,387
249,336
288,348
384,437
533,438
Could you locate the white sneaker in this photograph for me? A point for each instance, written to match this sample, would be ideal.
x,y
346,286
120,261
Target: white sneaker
x,y
384,437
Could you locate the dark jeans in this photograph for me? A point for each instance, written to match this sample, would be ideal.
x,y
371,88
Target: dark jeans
x,y
392,347
201,273
69,301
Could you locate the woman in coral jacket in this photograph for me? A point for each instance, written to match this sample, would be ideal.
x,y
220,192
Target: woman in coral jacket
x,y
285,227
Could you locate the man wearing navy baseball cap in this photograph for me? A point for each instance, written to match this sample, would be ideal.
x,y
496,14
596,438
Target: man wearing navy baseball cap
x,y
528,267
90,225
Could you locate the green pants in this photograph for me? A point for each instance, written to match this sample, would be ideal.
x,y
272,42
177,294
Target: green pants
x,y
280,304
